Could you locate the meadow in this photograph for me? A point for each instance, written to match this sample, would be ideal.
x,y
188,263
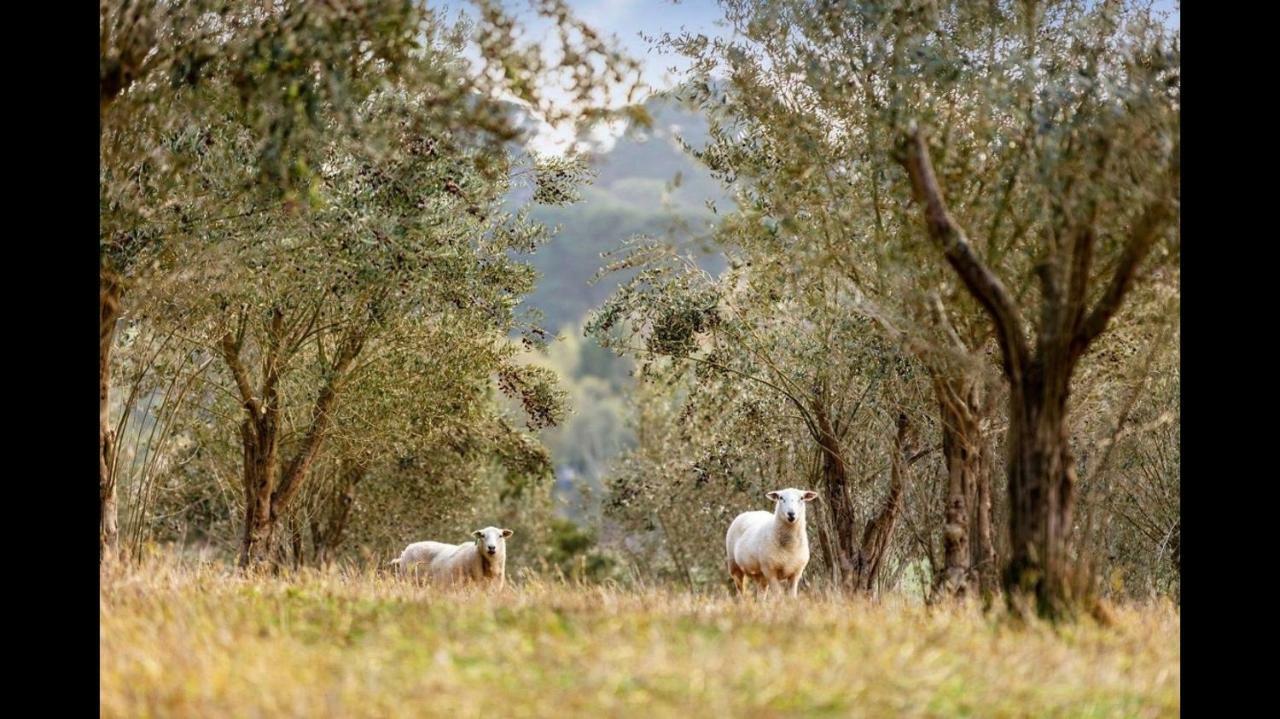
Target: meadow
x,y
180,638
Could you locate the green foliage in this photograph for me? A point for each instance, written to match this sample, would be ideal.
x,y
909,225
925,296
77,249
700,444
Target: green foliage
x,y
1045,123
575,555
328,229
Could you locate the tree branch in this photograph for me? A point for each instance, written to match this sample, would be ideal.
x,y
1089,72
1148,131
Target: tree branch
x,y
1141,239
271,366
231,354
981,282
321,417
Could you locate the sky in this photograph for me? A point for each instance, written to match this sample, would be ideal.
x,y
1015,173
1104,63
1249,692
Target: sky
x,y
626,20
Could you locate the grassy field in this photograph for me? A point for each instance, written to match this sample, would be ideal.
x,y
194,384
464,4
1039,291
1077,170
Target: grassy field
x,y
202,642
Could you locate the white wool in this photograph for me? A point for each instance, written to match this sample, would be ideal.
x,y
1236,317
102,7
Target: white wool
x,y
449,564
771,549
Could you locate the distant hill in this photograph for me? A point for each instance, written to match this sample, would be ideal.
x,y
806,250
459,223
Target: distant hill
x,y
634,193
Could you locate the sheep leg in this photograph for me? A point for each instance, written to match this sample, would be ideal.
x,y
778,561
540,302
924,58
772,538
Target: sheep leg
x,y
738,578
762,585
794,584
775,583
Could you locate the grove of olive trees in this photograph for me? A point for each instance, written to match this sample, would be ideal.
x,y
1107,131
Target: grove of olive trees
x,y
980,189
943,294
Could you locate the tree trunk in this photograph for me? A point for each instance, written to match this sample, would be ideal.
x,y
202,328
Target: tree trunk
x,y
857,563
879,531
261,467
984,549
268,490
959,406
835,486
1042,490
968,540
328,537
109,297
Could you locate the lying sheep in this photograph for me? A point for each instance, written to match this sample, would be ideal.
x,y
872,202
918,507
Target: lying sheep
x,y
484,560
771,548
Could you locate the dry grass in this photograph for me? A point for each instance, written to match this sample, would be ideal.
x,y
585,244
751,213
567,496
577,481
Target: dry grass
x,y
202,642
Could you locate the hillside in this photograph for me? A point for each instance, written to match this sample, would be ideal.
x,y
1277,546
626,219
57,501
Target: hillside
x,y
634,193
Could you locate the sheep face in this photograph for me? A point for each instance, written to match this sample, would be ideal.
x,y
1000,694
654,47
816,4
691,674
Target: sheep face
x,y
789,504
492,541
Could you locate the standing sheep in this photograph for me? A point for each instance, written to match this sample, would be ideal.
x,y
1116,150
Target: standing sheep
x,y
484,560
771,548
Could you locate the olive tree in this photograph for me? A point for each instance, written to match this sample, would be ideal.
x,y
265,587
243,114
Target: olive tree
x,y
1047,132
182,84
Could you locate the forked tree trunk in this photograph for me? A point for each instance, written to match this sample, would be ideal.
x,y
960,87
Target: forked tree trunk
x,y
109,297
879,531
269,489
261,469
968,539
859,556
1041,469
328,536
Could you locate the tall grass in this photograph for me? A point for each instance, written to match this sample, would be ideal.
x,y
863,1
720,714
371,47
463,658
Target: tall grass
x,y
183,639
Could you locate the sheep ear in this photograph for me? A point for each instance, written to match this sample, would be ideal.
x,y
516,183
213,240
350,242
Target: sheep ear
x,y
477,534
506,533
810,496
773,495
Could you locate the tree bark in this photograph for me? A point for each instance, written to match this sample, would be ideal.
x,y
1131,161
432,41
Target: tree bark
x,y
959,409
268,490
110,294
963,408
261,467
1042,490
857,563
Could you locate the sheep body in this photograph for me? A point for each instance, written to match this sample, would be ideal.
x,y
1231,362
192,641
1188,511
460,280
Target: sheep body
x,y
451,564
770,548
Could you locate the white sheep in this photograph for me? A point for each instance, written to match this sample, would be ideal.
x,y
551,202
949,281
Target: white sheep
x,y
484,560
771,548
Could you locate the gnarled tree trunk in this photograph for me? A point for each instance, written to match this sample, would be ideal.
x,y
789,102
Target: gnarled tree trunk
x,y
968,542
1042,491
959,408
835,490
261,444
984,546
1041,470
859,556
